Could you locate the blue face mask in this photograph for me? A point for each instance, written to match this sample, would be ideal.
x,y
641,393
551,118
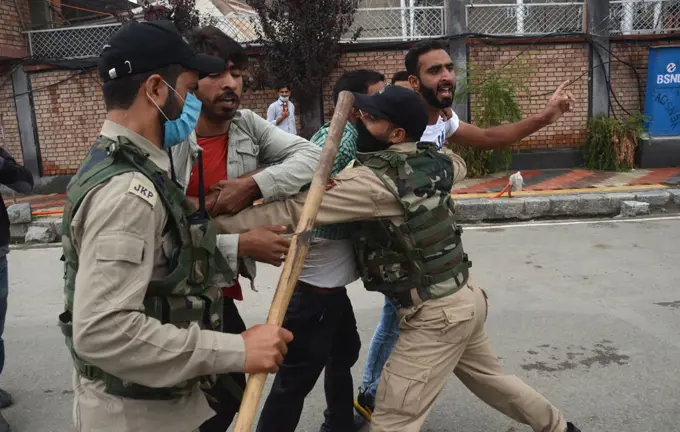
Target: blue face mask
x,y
178,131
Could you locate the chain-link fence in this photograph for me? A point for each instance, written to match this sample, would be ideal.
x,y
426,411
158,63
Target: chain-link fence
x,y
643,16
241,27
377,23
524,18
70,42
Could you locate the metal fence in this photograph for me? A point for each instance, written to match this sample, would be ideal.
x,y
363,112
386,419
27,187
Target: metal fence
x,y
70,42
400,23
376,23
644,16
525,18
241,27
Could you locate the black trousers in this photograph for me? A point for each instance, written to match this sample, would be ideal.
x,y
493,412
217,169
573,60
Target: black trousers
x,y
226,405
325,336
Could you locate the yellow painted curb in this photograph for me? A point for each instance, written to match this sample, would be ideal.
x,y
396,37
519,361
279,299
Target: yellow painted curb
x,y
564,191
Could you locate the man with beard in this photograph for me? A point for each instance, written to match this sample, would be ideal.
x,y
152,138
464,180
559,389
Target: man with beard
x,y
235,145
320,313
431,74
409,247
140,264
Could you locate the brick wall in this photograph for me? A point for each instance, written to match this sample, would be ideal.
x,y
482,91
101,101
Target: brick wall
x,y
624,82
8,113
544,68
259,101
12,41
69,115
66,124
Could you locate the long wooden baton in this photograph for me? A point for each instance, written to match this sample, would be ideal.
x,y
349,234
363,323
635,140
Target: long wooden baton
x,y
297,253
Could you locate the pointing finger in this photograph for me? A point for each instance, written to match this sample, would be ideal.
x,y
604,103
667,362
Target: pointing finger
x,y
562,86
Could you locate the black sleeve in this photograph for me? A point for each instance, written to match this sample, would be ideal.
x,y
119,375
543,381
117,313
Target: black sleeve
x,y
14,175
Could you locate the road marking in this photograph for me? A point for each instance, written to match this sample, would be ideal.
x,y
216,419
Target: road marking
x,y
573,222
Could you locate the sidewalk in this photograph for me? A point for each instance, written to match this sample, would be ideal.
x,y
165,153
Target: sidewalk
x,y
569,193
546,194
547,182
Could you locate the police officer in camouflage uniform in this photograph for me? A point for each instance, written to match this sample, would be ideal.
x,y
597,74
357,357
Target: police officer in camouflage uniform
x,y
142,271
409,247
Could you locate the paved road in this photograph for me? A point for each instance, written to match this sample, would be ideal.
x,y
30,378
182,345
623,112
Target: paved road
x,y
589,314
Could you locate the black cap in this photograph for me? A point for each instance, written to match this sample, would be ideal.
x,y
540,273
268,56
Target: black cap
x,y
144,47
400,106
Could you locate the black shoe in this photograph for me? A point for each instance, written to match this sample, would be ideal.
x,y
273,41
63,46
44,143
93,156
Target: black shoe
x,y
359,422
4,426
363,407
5,399
572,428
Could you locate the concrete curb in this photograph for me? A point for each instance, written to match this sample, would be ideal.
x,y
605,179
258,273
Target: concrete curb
x,y
560,206
46,231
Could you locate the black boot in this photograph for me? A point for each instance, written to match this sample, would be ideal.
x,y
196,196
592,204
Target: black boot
x,y
572,428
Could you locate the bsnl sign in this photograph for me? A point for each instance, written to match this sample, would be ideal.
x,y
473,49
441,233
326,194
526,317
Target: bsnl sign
x,y
670,77
662,99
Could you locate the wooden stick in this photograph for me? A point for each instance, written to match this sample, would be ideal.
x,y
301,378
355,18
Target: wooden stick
x,y
297,253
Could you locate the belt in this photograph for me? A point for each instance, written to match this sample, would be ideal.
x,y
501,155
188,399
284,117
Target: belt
x,y
311,289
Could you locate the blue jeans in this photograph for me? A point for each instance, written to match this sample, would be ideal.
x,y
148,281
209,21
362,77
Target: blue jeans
x,y
382,344
4,291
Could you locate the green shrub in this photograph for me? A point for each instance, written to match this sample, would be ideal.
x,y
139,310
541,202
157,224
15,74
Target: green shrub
x,y
495,93
611,143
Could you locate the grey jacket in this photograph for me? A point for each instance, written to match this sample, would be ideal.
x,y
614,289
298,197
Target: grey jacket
x,y
254,143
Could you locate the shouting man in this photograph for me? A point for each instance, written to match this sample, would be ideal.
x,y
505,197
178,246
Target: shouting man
x,y
237,144
410,248
431,74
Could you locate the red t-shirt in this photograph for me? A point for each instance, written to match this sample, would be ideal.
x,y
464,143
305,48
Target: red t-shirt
x,y
214,170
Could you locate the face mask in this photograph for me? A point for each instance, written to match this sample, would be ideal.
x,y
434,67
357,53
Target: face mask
x,y
178,130
283,98
366,142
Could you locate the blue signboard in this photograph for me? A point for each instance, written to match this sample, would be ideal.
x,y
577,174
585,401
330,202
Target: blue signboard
x,y
662,100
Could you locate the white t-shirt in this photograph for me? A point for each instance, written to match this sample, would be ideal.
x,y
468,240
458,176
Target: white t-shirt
x,y
439,132
330,264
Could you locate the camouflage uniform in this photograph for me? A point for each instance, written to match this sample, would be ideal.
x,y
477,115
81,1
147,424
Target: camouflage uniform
x,y
410,248
141,293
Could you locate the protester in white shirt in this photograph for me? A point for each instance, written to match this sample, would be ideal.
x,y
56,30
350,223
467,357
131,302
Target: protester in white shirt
x,y
431,74
282,112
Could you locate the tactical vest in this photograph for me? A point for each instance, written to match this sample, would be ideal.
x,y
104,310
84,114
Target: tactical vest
x,y
187,295
426,249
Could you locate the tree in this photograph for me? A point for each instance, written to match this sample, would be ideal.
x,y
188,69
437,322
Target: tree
x,y
300,48
182,12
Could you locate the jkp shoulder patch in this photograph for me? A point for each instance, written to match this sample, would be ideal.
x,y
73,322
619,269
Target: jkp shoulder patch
x,y
144,189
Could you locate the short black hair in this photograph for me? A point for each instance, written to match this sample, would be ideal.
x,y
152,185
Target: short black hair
x,y
212,41
120,93
414,54
283,86
400,76
356,81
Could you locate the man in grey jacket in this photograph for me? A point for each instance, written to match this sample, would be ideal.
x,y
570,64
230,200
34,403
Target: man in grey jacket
x,y
244,158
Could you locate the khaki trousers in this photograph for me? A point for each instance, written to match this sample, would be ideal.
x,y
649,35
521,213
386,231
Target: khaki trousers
x,y
443,336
